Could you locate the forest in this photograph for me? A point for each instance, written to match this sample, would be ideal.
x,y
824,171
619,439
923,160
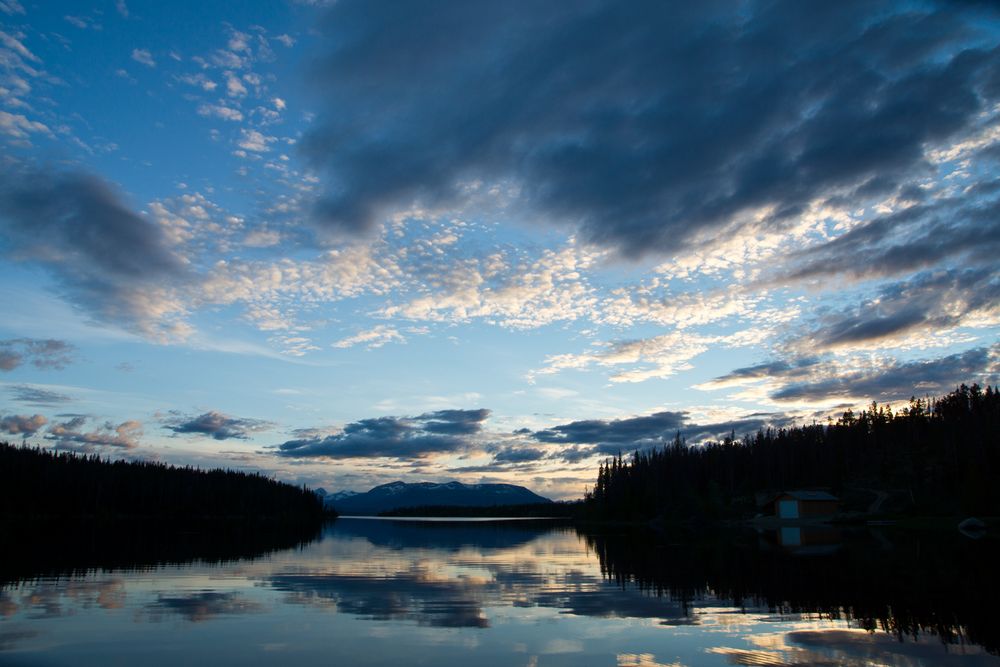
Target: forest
x,y
41,484
942,454
906,583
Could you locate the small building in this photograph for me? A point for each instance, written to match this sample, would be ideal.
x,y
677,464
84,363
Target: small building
x,y
792,505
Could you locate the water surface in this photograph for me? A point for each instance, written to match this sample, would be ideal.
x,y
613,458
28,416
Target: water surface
x,y
366,592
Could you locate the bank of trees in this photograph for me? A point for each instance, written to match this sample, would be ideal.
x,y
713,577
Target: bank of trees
x,y
38,483
943,453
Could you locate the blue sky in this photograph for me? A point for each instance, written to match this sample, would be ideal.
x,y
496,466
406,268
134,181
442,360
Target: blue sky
x,y
355,242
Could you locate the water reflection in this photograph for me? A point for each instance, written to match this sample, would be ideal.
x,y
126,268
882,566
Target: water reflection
x,y
201,605
59,549
849,648
378,592
904,584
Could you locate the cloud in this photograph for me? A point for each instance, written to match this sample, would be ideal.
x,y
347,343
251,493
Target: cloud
x,y
443,431
641,124
651,429
11,7
917,312
219,110
515,455
963,228
593,437
41,353
524,296
373,338
83,22
18,69
897,380
35,396
238,42
201,81
218,426
269,286
650,358
252,140
71,435
23,425
144,57
113,263
235,87
763,371
745,425
20,126
122,8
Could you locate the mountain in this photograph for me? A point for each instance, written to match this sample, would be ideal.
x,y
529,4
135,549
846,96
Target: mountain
x,y
453,494
331,499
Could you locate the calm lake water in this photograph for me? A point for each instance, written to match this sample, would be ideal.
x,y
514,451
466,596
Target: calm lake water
x,y
369,592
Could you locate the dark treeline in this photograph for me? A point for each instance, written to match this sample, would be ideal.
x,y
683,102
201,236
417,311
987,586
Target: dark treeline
x,y
943,454
41,484
561,510
907,583
69,548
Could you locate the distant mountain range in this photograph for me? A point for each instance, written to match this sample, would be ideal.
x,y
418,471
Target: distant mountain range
x,y
397,495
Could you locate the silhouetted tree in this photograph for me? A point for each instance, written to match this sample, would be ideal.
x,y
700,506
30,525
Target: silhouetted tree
x,y
38,483
945,453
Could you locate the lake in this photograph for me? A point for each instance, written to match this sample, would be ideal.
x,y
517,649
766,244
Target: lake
x,y
529,593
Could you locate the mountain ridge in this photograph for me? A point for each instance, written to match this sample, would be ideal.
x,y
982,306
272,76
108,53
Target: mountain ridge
x,y
398,494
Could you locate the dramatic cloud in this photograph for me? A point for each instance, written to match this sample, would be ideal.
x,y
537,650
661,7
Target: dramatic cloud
x,y
963,228
218,426
113,263
643,124
926,304
770,369
656,427
43,354
514,455
609,437
896,380
70,434
35,396
23,425
438,432
860,378
746,425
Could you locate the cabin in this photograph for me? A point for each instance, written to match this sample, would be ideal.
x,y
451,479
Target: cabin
x,y
793,505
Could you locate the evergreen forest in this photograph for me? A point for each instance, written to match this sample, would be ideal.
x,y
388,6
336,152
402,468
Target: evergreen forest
x,y
42,484
942,455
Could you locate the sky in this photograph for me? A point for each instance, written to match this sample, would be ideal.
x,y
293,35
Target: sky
x,y
347,243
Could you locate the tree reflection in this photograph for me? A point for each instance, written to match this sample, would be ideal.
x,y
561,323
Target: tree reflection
x,y
906,584
67,549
